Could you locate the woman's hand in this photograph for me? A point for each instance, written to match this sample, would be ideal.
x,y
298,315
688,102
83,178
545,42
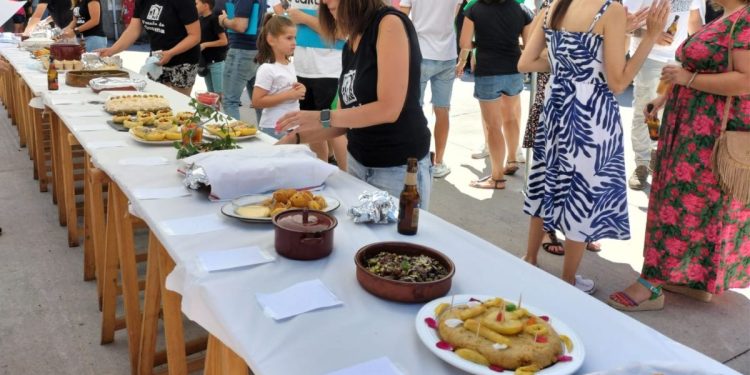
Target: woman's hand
x,y
658,104
657,19
460,68
68,32
635,20
676,75
105,52
165,57
298,91
299,121
289,139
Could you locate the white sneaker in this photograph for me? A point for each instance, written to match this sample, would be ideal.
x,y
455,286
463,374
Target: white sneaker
x,y
481,154
440,170
585,285
521,156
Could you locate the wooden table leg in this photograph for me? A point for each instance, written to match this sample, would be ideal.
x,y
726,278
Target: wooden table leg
x,y
220,360
172,312
40,158
19,113
110,264
57,171
151,306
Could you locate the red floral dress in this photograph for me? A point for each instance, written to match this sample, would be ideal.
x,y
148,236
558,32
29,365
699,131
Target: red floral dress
x,y
695,234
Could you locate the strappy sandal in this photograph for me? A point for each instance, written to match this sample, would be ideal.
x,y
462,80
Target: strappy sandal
x,y
700,295
624,302
511,168
487,182
553,244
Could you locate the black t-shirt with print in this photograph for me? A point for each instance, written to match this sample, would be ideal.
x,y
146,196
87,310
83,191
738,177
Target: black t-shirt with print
x,y
81,12
164,22
60,10
383,145
210,31
497,28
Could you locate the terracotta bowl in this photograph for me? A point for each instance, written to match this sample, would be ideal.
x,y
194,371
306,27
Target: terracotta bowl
x,y
402,291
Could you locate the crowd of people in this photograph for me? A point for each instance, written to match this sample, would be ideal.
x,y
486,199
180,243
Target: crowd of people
x,y
348,77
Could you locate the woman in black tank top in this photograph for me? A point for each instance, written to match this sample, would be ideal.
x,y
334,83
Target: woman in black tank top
x,y
378,96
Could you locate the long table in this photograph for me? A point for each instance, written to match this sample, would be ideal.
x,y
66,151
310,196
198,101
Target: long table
x,y
365,327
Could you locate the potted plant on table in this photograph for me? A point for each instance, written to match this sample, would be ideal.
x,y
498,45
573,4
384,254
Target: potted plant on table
x,y
192,131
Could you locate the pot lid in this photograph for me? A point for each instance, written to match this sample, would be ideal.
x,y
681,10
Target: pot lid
x,y
305,221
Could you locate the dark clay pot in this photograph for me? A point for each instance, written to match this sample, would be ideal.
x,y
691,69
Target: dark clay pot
x,y
304,234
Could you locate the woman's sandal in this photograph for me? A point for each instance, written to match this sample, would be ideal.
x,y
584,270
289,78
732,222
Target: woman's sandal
x,y
700,295
554,246
487,182
624,302
511,168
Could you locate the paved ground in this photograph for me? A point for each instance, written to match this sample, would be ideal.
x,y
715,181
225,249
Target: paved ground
x,y
49,323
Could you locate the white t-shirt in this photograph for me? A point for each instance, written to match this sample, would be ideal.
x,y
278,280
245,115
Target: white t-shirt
x,y
313,62
433,20
680,8
276,78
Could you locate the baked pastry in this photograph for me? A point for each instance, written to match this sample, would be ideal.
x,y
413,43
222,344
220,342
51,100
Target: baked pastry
x,y
132,123
147,117
120,118
134,103
497,333
163,123
155,135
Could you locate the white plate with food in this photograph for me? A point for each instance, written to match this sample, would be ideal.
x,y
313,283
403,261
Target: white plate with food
x,y
560,345
258,208
162,142
210,135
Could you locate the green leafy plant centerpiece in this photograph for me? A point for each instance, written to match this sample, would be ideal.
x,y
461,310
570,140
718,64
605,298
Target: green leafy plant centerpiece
x,y
192,142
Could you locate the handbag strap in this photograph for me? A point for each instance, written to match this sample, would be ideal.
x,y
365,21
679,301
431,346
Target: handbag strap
x,y
730,67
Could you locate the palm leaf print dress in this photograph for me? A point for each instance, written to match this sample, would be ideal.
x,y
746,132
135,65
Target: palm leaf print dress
x,y
577,178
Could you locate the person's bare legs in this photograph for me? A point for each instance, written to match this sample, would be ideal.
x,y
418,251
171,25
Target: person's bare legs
x,y
573,255
511,115
536,234
320,149
442,125
492,121
338,145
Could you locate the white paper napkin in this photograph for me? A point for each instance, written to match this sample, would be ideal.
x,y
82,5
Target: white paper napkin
x,y
192,225
161,193
89,127
89,113
380,366
144,161
297,299
233,258
95,145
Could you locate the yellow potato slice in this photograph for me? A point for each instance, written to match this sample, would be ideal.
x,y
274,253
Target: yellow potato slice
x,y
441,307
473,356
536,329
527,370
568,342
473,326
174,135
471,312
508,327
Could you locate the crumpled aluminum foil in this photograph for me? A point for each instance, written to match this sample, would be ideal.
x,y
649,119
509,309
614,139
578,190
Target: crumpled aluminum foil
x,y
117,83
92,61
195,177
377,207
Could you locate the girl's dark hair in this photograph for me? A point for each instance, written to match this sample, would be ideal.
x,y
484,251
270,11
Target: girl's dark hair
x,y
558,13
272,25
352,17
211,3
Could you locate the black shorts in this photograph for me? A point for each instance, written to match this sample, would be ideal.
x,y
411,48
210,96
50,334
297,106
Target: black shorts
x,y
19,18
319,93
180,76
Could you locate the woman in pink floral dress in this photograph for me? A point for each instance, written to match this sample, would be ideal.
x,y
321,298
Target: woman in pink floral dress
x,y
697,237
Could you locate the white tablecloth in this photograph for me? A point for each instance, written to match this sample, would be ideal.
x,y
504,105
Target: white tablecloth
x,y
365,327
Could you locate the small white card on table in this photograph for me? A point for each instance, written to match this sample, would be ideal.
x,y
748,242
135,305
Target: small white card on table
x,y
233,258
380,366
161,193
297,299
95,145
192,225
89,127
144,161
89,113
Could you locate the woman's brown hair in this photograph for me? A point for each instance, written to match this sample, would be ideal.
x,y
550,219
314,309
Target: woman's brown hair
x,y
272,25
352,17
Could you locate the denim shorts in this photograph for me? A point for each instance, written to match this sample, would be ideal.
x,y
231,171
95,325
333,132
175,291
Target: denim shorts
x,y
391,179
493,87
440,74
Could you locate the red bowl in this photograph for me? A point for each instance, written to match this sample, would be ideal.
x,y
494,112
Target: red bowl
x,y
402,291
207,98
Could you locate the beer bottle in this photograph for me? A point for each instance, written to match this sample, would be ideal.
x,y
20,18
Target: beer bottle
x,y
672,29
52,76
653,124
408,213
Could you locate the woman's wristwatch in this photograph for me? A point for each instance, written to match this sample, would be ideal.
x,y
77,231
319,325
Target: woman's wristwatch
x,y
325,118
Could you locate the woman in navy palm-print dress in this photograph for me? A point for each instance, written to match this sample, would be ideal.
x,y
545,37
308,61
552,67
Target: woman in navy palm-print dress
x,y
577,178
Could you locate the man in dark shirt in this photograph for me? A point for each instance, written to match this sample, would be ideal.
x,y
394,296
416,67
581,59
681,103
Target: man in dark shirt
x,y
213,46
60,10
240,18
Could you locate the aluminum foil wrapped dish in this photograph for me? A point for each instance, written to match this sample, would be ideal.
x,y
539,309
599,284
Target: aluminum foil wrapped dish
x,y
377,207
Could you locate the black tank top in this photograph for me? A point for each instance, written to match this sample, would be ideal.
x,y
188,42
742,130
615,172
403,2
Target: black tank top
x,y
383,145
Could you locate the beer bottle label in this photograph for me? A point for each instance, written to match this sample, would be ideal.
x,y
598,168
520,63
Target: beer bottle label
x,y
415,217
